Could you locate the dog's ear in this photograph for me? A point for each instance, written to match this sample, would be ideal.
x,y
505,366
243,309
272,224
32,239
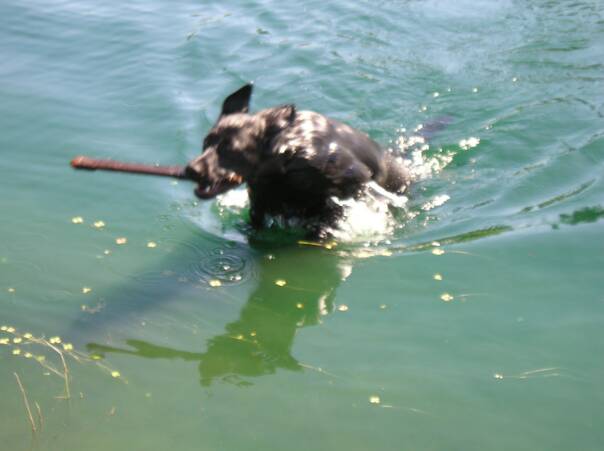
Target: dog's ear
x,y
279,118
238,102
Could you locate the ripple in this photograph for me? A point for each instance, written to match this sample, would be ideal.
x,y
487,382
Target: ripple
x,y
225,267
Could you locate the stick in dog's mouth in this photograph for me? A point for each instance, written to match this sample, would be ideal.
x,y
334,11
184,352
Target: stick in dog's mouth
x,y
208,191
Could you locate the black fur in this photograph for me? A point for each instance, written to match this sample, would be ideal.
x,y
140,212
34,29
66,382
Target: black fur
x,y
293,161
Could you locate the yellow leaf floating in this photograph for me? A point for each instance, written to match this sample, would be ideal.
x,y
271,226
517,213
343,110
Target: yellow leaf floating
x,y
215,283
3,328
498,376
299,305
16,351
374,399
77,220
11,290
10,330
446,297
4,341
121,240
27,336
68,347
438,251
115,374
343,308
28,355
99,224
54,340
438,276
17,340
86,290
151,244
280,282
106,252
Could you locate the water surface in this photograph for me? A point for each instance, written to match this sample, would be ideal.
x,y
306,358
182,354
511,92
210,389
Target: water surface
x,y
475,321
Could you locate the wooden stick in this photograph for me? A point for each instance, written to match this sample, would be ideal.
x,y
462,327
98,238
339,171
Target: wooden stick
x,y
92,164
26,402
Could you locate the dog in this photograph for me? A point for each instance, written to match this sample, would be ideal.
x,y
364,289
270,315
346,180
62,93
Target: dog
x,y
294,162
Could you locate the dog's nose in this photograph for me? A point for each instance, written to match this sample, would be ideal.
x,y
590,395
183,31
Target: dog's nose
x,y
191,173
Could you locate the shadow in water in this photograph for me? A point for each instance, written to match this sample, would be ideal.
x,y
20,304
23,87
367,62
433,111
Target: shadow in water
x,y
296,288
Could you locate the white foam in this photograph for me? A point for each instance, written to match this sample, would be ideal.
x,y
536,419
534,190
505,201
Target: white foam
x,y
467,144
235,199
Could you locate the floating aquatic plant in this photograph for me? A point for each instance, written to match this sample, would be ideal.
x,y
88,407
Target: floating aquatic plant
x,y
51,354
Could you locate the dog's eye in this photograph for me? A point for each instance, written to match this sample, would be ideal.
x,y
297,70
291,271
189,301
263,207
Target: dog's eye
x,y
211,140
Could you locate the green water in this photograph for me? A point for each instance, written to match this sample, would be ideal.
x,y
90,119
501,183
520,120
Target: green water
x,y
362,347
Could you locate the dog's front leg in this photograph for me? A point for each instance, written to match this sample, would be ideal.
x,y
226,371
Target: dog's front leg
x,y
257,210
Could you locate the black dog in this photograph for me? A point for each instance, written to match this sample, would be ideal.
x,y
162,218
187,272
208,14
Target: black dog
x,y
294,162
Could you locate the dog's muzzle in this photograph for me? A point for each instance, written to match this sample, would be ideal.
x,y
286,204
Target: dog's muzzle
x,y
211,179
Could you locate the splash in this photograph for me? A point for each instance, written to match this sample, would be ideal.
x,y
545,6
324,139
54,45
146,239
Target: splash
x,y
415,153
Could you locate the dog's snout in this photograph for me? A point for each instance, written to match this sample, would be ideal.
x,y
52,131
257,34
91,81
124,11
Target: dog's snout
x,y
196,169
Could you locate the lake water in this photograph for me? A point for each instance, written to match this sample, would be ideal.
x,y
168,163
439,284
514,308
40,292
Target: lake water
x,y
472,319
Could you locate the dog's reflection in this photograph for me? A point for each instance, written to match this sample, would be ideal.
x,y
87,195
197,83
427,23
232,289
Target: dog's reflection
x,y
296,288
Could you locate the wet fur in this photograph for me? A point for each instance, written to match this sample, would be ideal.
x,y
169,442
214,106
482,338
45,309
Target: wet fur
x,y
294,162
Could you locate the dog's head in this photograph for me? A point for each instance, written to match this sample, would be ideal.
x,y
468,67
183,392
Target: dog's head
x,y
237,144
